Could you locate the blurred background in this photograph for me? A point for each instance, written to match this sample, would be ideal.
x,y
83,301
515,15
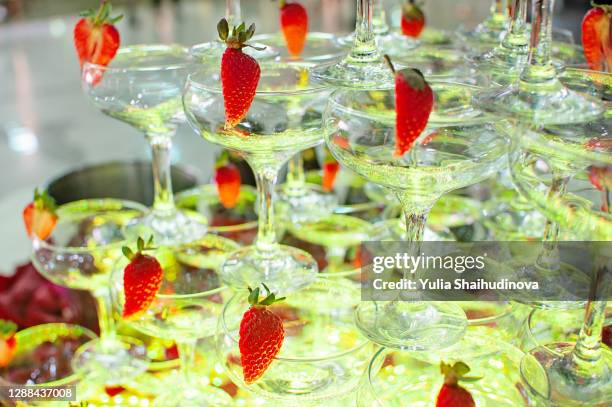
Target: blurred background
x,y
47,128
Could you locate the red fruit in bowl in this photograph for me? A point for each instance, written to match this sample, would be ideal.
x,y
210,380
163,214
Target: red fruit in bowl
x,y
261,335
7,342
606,335
294,25
413,105
141,279
451,394
95,37
596,38
239,72
39,216
227,179
330,170
413,19
600,177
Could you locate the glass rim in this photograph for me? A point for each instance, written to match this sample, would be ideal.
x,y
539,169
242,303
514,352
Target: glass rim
x,y
224,331
66,326
125,204
480,118
146,48
216,87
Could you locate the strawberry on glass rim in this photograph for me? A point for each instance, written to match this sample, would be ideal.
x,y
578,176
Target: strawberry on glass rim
x,y
413,19
142,279
239,72
294,25
596,36
7,341
413,105
330,171
227,179
261,335
95,37
40,216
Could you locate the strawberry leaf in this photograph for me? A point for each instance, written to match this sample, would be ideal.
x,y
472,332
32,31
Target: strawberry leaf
x,y
223,29
7,329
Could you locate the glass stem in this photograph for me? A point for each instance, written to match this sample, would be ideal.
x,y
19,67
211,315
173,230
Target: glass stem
x,y
516,38
549,256
499,15
266,174
187,350
295,177
364,48
540,69
379,18
104,308
161,146
233,14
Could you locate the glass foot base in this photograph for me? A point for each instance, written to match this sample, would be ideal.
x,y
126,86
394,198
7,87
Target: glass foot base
x,y
193,396
355,75
211,52
411,325
547,374
306,204
552,105
179,227
111,361
284,269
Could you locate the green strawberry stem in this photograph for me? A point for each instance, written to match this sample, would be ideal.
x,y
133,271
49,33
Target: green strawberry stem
x,y
101,15
42,200
7,329
389,63
222,160
239,35
269,298
141,247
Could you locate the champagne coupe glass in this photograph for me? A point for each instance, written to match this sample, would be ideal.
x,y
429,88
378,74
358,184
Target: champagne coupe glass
x,y
279,124
185,309
42,360
461,146
398,378
538,95
363,67
80,254
142,87
211,52
323,354
565,373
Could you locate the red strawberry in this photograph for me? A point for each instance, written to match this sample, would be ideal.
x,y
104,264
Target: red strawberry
x,y
294,24
606,335
451,394
596,38
227,178
239,72
112,391
141,279
95,37
7,341
600,177
330,170
39,216
413,19
413,105
261,335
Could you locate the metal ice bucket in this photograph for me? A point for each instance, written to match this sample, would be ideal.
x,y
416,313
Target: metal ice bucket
x,y
118,179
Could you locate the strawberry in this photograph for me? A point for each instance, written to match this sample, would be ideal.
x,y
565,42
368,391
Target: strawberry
x,y
39,216
7,342
112,391
141,279
596,38
413,19
95,37
413,105
330,170
261,335
451,394
600,177
227,178
294,24
606,335
239,72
